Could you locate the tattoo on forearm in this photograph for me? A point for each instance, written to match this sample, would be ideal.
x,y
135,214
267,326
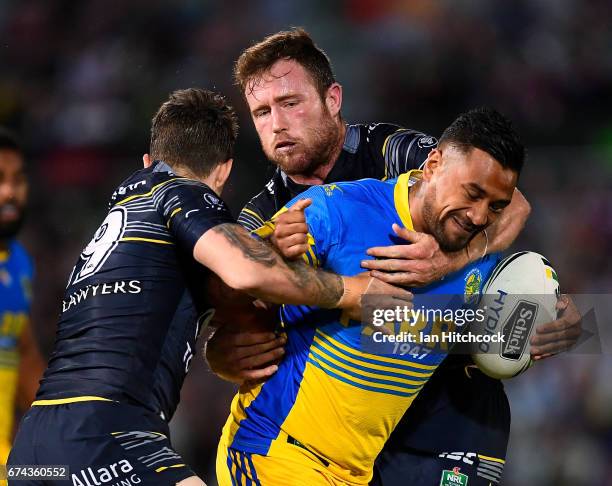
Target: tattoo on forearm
x,y
326,288
257,251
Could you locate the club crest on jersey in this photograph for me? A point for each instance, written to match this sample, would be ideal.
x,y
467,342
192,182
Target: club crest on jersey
x,y
473,282
453,478
330,188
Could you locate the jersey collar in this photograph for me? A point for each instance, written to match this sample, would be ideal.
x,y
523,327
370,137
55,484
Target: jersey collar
x,y
161,166
400,196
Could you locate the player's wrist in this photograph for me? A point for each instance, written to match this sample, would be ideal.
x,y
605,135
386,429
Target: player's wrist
x,y
353,289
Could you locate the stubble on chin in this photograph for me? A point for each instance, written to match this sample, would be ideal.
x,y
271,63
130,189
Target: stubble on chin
x,y
313,154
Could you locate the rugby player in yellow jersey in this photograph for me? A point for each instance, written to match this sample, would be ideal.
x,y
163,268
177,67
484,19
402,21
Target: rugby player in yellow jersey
x,y
328,411
21,364
296,112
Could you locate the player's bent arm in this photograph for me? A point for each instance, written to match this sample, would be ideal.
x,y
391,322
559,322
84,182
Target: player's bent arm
x,y
253,266
31,368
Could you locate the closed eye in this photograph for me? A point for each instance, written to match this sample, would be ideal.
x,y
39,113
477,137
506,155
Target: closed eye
x,y
472,196
497,207
260,113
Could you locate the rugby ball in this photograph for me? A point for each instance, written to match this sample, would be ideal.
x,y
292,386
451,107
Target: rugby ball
x,y
521,294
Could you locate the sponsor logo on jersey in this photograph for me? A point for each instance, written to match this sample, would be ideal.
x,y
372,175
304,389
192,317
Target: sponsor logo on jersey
x,y
213,201
270,187
107,288
106,475
453,478
122,190
426,142
517,330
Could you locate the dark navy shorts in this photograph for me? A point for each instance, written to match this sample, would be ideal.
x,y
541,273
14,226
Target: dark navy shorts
x,y
101,442
401,468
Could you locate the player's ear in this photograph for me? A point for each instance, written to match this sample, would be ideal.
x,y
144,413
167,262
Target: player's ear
x,y
146,160
223,171
333,99
432,164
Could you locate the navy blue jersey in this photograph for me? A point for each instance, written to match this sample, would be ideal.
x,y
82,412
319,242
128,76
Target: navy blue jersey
x,y
377,151
128,324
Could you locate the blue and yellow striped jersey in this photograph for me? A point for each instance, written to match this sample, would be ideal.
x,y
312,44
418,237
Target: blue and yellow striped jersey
x,y
329,393
15,295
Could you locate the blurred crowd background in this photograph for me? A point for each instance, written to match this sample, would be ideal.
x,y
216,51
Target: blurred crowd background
x,y
79,82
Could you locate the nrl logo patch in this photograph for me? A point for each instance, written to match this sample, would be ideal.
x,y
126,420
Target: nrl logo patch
x,y
453,478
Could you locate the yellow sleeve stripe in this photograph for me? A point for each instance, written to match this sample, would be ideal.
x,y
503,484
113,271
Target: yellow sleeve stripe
x,y
267,228
146,194
354,355
163,468
61,401
177,210
147,240
265,231
254,214
494,459
384,147
321,351
373,359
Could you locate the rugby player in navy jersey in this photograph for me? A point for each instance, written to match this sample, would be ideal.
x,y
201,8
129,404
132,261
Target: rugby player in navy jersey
x,y
119,356
295,105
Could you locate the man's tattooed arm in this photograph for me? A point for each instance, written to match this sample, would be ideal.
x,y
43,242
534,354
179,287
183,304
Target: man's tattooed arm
x,y
255,250
253,266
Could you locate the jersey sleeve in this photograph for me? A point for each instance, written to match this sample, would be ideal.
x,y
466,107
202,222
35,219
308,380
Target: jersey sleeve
x,y
322,218
404,149
251,217
189,209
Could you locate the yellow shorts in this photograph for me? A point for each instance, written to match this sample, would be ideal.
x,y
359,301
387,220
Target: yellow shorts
x,y
286,465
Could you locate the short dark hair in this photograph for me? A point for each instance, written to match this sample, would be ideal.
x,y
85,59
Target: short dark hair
x,y
9,141
488,130
195,129
295,44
